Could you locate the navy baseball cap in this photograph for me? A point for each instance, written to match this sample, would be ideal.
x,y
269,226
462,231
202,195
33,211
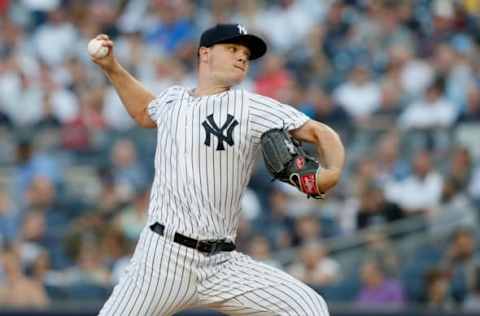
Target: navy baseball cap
x,y
234,33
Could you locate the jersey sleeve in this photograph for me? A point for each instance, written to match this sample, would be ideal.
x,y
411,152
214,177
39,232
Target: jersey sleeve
x,y
154,108
266,113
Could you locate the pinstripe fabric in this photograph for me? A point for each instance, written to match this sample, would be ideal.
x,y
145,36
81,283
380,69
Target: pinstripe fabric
x,y
199,183
160,280
242,286
165,277
206,149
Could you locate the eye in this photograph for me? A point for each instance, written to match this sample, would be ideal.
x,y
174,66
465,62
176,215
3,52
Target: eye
x,y
232,49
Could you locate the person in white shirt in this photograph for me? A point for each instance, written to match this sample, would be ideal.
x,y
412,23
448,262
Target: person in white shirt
x,y
433,111
421,191
359,96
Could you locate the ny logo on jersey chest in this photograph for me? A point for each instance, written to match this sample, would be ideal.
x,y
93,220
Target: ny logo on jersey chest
x,y
211,128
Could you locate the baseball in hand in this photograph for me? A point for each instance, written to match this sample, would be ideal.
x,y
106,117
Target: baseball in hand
x,y
96,49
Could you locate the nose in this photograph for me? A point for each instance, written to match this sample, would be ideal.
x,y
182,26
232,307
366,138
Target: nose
x,y
242,57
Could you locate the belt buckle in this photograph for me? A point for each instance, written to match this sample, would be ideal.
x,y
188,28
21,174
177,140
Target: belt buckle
x,y
202,246
214,248
197,245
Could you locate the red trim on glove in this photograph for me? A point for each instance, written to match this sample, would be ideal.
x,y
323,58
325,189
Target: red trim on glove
x,y
308,184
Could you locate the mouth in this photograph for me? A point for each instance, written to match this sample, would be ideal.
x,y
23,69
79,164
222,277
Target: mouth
x,y
241,68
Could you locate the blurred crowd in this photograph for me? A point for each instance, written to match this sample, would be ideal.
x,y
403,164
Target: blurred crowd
x,y
398,79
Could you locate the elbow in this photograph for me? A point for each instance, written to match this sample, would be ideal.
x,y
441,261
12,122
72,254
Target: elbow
x,y
144,124
144,120
327,133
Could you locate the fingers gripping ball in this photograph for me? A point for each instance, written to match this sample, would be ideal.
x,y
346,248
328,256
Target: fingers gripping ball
x,y
287,161
96,49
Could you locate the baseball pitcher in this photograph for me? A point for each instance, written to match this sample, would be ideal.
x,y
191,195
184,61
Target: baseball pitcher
x,y
207,140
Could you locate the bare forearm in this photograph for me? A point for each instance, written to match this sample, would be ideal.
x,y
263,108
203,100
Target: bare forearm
x,y
135,97
330,148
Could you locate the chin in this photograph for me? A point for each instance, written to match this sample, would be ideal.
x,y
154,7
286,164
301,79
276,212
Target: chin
x,y
237,79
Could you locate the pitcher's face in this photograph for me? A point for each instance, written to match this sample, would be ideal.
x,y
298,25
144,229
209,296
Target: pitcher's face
x,y
228,63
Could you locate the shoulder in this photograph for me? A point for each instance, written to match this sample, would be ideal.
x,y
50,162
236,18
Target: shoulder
x,y
260,100
169,95
173,92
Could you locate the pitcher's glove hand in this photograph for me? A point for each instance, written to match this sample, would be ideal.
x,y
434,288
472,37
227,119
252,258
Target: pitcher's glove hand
x,y
287,161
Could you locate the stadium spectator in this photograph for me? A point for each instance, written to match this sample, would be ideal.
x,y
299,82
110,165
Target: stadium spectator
x,y
110,200
31,238
127,171
55,39
359,95
461,166
375,210
337,28
377,289
314,266
471,114
437,286
275,222
365,174
472,301
451,61
389,163
301,15
5,120
388,111
131,220
320,106
416,74
80,135
421,191
259,248
454,210
48,119
87,269
49,219
170,28
433,111
273,78
309,62
307,229
116,251
30,163
474,186
460,261
10,218
380,248
18,290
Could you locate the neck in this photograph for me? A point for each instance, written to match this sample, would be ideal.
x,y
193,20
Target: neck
x,y
202,90
208,86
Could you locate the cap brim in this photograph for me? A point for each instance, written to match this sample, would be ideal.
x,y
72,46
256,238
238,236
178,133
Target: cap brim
x,y
255,44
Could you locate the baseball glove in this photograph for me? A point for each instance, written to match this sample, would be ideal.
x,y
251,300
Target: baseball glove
x,y
287,161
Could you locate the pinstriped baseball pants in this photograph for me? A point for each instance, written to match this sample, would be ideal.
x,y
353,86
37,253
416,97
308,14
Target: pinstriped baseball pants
x,y
164,277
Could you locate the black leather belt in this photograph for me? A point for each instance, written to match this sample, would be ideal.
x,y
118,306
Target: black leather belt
x,y
209,247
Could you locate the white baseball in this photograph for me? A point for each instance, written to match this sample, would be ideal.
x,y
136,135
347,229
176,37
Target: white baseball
x,y
96,49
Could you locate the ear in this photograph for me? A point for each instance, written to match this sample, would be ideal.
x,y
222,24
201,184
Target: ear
x,y
203,54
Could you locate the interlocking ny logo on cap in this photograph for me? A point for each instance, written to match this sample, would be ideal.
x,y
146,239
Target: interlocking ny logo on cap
x,y
242,29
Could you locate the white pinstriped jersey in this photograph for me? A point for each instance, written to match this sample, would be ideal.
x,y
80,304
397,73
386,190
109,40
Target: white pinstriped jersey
x,y
206,149
205,153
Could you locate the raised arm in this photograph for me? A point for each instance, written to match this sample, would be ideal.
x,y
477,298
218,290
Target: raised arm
x,y
330,150
135,97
